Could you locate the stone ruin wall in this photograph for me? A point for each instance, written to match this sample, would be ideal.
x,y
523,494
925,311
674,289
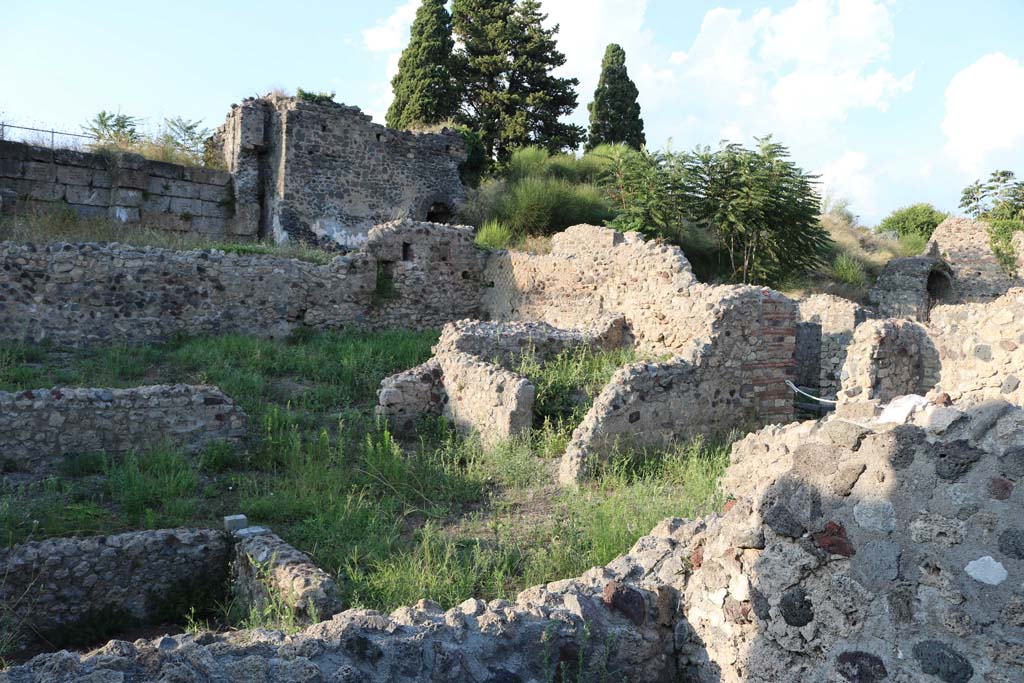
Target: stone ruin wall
x,y
970,352
964,244
981,349
58,591
823,334
847,553
886,359
125,188
910,287
325,171
77,294
39,427
594,272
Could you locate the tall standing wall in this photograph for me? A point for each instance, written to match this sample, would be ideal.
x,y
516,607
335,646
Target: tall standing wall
x,y
325,171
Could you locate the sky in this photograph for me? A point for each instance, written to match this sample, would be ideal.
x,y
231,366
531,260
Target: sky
x,y
891,101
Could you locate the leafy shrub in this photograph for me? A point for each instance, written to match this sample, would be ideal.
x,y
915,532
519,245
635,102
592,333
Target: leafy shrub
x,y
314,96
494,234
1001,198
916,219
912,244
849,270
1000,233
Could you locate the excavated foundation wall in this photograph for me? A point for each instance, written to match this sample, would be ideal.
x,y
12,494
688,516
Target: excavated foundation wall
x,y
886,359
848,553
39,427
411,275
78,590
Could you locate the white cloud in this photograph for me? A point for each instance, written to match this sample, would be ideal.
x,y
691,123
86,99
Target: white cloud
x,y
388,36
983,111
799,71
391,33
850,177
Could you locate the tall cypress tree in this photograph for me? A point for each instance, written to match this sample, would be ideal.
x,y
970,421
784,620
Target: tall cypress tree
x,y
615,113
425,88
510,97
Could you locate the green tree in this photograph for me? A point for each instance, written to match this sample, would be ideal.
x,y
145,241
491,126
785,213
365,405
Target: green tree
x,y
114,129
761,208
189,137
615,113
916,219
1001,198
424,87
510,96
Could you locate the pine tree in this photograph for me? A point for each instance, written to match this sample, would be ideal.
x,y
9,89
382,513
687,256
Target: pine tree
x,y
615,113
511,98
481,65
424,87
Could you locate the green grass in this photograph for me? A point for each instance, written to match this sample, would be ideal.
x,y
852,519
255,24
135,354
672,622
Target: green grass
x,y
494,234
443,518
849,270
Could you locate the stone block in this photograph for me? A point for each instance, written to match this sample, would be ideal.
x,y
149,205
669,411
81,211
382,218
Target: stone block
x,y
91,196
209,176
134,178
124,214
131,162
209,225
214,193
11,168
182,188
74,175
123,196
235,522
102,178
163,169
74,157
36,170
216,209
14,150
156,203
183,206
47,192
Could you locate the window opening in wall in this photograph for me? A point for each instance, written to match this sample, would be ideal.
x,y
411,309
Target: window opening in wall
x,y
406,251
940,289
378,137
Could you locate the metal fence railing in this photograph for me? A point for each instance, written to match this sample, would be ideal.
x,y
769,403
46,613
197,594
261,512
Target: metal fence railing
x,y
44,137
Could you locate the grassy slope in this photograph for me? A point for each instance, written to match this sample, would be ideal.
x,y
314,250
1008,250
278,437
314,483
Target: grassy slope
x,y
442,519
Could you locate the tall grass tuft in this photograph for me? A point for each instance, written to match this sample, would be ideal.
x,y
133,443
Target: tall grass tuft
x,y
494,234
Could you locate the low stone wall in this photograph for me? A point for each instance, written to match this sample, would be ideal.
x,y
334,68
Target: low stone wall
x,y
485,398
824,332
39,427
266,570
886,359
965,245
125,188
76,294
981,349
847,553
507,343
78,590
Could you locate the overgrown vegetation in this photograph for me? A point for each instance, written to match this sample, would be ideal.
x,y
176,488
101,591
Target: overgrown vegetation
x,y
314,96
1000,201
914,221
59,223
177,141
443,518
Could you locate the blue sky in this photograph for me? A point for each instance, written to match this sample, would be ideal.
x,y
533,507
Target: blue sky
x,y
892,101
